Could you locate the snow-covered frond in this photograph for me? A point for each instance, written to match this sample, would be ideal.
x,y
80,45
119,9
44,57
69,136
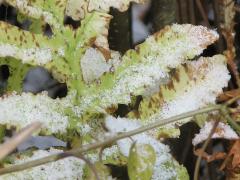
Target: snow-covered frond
x,y
20,110
192,86
149,64
29,48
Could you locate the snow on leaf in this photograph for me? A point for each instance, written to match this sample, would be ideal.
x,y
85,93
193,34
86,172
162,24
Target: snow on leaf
x,y
94,64
67,68
42,10
77,9
152,60
20,110
193,86
30,48
55,53
141,162
68,168
165,166
149,64
58,12
94,29
222,131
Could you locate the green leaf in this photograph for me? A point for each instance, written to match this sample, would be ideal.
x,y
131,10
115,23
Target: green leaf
x,y
34,49
141,162
38,9
102,171
17,73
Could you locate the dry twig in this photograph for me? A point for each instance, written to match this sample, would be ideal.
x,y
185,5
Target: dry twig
x,y
17,139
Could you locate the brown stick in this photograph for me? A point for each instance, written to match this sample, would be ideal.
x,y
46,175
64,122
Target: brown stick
x,y
197,166
203,13
17,139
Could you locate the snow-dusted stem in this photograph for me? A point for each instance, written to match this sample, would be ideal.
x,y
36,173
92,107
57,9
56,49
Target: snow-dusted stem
x,y
108,141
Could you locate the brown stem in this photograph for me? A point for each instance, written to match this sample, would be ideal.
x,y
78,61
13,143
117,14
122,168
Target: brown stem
x,y
203,13
192,15
197,166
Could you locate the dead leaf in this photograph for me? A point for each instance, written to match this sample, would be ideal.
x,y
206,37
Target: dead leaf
x,y
235,152
232,161
210,157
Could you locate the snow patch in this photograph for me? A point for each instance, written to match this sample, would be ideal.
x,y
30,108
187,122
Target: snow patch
x,y
38,56
20,110
93,65
222,131
67,168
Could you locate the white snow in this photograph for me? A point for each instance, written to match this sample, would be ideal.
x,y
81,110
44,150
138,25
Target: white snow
x,y
223,131
20,110
38,56
93,65
67,168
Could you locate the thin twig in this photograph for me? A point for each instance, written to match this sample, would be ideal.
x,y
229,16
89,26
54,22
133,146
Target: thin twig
x,y
233,123
229,119
197,166
203,13
90,165
220,43
234,99
192,12
228,95
237,8
108,141
17,139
